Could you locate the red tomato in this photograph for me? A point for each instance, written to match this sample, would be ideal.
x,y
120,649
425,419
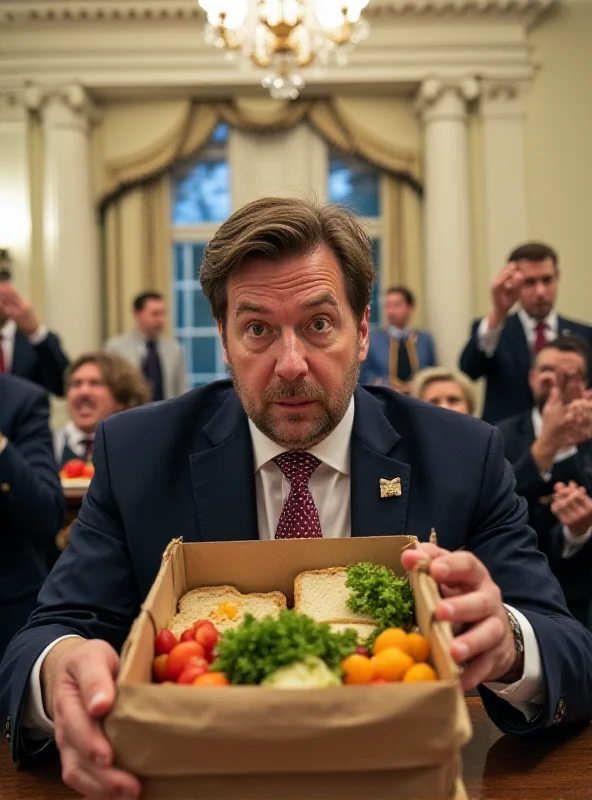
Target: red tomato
x,y
179,656
211,679
199,623
188,635
73,468
207,635
194,667
164,642
159,668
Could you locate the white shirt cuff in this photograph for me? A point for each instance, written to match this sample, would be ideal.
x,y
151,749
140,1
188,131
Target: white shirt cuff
x,y
3,443
35,722
40,335
573,544
488,338
528,693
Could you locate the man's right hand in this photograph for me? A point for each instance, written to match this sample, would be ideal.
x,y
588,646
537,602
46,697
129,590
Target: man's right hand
x,y
573,508
78,680
505,291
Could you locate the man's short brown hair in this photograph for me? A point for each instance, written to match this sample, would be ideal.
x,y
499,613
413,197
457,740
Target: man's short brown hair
x,y
276,228
124,381
534,251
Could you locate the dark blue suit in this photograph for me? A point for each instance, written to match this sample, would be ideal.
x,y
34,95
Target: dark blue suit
x,y
575,573
44,363
507,392
31,500
376,366
184,467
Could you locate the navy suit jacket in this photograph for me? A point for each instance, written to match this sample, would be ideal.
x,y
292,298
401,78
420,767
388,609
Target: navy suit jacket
x,y
376,365
184,467
31,500
507,391
44,363
575,573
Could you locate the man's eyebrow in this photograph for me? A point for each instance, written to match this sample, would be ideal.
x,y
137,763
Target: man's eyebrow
x,y
321,300
251,308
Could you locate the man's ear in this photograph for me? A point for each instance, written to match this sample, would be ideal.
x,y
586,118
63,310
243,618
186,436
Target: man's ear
x,y
364,334
222,335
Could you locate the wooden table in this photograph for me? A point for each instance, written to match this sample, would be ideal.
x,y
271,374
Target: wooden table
x,y
556,765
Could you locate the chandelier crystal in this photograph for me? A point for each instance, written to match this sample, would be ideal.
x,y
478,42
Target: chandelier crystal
x,y
284,37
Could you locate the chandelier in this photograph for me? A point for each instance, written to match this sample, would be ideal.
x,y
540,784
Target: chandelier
x,y
283,37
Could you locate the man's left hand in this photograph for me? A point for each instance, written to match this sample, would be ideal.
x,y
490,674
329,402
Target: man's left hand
x,y
472,602
18,309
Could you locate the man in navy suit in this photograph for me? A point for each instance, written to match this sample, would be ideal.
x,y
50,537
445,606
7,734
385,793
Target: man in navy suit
x,y
291,448
31,500
502,344
413,349
27,348
550,449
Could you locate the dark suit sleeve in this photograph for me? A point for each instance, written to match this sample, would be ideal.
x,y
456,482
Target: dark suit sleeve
x,y
473,362
503,541
53,363
32,500
90,592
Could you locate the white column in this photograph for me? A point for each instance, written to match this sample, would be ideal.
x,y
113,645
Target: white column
x,y
503,116
447,213
15,203
72,285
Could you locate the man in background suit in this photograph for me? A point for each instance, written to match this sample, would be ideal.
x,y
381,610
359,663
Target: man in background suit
x,y
27,348
399,352
550,449
291,449
99,384
502,344
31,500
158,357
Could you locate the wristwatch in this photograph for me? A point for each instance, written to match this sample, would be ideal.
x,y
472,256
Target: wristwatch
x,y
516,632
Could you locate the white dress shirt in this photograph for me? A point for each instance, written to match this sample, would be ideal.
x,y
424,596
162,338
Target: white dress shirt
x,y
488,338
330,489
72,436
571,544
7,334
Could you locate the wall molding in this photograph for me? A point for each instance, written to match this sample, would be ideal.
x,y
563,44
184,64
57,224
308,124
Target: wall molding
x,y
59,11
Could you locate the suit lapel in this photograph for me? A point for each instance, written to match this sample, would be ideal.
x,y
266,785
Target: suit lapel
x,y
222,477
19,355
374,442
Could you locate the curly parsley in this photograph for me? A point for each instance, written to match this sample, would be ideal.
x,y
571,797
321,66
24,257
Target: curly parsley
x,y
376,590
256,649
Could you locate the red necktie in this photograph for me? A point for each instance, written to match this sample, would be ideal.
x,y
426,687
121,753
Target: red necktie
x,y
540,339
2,364
299,518
88,448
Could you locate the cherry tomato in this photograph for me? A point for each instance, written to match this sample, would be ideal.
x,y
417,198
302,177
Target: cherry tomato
x,y
188,635
207,635
194,667
179,656
164,642
159,667
211,679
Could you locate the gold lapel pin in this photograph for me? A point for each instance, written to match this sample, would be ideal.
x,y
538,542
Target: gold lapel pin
x,y
390,488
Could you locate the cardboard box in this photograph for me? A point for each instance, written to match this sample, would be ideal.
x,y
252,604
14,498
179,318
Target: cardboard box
x,y
396,741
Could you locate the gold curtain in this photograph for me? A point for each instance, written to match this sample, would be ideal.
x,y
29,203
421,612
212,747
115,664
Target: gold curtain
x,y
135,201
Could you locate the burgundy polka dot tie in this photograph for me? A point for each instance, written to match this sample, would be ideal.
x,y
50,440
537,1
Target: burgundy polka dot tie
x,y
299,518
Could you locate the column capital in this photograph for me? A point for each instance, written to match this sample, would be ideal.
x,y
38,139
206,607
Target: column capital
x,y
66,104
503,99
443,98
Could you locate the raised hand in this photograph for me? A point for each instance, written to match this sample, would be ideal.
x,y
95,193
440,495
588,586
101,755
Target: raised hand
x,y
505,291
16,308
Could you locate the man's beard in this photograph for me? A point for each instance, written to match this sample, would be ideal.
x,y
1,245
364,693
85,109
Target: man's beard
x,y
332,409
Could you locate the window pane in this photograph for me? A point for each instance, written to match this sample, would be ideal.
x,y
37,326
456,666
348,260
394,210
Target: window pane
x,y
202,316
203,354
355,184
178,261
220,133
196,258
179,309
201,193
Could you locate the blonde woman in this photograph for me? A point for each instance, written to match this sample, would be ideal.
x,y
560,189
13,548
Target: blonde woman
x,y
446,388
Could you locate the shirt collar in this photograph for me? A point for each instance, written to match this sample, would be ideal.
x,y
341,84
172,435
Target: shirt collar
x,y
537,422
74,436
8,330
333,451
529,323
398,333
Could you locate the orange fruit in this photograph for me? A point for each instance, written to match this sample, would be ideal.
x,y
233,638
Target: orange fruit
x,y
357,668
211,679
391,637
391,664
419,673
418,647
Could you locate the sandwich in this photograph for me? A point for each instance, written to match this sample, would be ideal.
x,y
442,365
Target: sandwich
x,y
225,606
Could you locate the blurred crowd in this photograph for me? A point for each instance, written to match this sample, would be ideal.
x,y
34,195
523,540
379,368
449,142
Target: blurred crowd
x,y
535,364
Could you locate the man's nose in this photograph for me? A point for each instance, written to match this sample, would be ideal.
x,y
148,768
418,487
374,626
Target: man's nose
x,y
291,360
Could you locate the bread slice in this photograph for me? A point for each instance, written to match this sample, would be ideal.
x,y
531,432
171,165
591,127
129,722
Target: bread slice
x,y
225,606
363,629
323,595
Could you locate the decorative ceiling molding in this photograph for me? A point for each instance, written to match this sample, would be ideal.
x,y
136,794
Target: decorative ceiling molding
x,y
51,11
